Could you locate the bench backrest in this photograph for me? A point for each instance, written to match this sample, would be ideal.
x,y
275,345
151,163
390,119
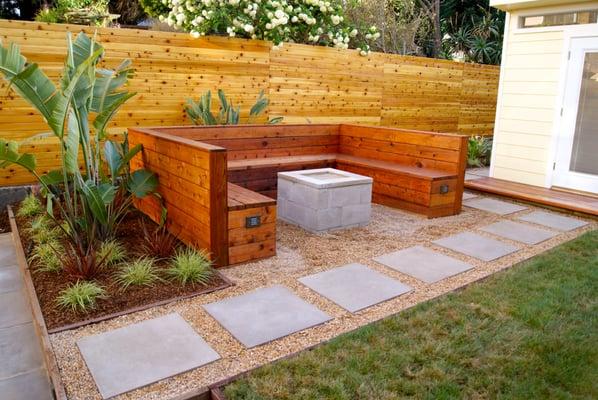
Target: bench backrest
x,y
263,141
440,151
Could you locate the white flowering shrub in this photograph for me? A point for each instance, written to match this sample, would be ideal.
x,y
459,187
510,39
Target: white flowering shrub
x,y
296,21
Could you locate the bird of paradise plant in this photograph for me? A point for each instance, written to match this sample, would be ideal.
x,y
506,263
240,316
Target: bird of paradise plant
x,y
85,201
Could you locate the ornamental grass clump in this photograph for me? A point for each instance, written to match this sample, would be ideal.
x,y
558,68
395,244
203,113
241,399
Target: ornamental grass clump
x,y
190,267
140,272
43,230
80,296
45,257
30,207
112,252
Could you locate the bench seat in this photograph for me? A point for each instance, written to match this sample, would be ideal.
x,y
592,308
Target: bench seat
x,y
240,198
422,190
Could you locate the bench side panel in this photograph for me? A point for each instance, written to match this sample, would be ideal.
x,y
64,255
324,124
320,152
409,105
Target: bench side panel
x,y
193,187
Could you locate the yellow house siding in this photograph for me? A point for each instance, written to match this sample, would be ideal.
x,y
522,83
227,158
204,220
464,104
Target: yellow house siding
x,y
529,93
529,89
512,5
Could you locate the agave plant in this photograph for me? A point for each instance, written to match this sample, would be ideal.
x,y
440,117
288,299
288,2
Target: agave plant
x,y
78,112
201,112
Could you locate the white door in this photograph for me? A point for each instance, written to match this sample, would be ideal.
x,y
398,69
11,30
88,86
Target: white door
x,y
576,165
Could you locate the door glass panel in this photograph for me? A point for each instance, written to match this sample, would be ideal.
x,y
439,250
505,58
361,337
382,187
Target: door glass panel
x,y
584,157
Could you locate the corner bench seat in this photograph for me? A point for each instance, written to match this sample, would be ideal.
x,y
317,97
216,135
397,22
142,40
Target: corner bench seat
x,y
416,189
417,171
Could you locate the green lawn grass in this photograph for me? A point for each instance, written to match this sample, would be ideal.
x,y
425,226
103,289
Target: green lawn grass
x,y
527,333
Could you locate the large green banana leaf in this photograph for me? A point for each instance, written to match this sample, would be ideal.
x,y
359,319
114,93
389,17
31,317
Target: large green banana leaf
x,y
9,155
142,182
114,154
71,145
97,197
108,96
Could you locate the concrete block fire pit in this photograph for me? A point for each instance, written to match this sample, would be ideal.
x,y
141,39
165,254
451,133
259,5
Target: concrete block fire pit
x,y
319,200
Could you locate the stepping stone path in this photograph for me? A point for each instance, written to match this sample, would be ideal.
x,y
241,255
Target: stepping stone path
x,y
519,232
137,355
265,314
355,286
554,221
476,246
467,196
22,371
424,264
494,206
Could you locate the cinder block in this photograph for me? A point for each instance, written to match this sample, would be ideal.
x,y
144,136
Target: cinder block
x,y
366,194
324,199
329,218
356,214
301,215
345,196
284,189
282,207
310,197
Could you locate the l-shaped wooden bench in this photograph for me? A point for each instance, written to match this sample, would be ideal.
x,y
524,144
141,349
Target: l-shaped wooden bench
x,y
213,178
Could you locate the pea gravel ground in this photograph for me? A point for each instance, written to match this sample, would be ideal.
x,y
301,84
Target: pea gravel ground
x,y
299,254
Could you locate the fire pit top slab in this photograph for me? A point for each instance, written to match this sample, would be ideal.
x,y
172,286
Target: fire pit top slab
x,y
323,178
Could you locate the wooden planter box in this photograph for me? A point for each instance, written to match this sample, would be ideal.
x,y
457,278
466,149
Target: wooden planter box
x,y
421,172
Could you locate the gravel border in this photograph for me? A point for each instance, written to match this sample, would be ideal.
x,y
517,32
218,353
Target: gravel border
x,y
301,253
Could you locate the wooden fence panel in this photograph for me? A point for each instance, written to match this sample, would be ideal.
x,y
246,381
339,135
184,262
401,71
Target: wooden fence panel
x,y
304,83
324,85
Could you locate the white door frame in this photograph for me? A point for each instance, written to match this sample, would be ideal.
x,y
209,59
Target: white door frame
x,y
569,33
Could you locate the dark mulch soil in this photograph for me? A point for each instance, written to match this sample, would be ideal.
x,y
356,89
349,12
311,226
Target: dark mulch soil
x,y
48,284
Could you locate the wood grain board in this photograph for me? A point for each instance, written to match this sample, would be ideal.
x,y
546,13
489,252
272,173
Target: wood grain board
x,y
192,185
306,84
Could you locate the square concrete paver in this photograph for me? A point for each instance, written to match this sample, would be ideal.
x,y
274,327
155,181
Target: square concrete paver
x,y
137,355
519,232
476,246
19,350
264,315
494,206
355,286
33,385
10,279
553,221
424,264
14,309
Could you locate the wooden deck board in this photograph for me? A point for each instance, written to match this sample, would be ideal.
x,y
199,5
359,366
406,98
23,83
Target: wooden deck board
x,y
548,197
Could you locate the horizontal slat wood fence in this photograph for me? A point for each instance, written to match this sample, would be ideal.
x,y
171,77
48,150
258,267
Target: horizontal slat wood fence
x,y
304,83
